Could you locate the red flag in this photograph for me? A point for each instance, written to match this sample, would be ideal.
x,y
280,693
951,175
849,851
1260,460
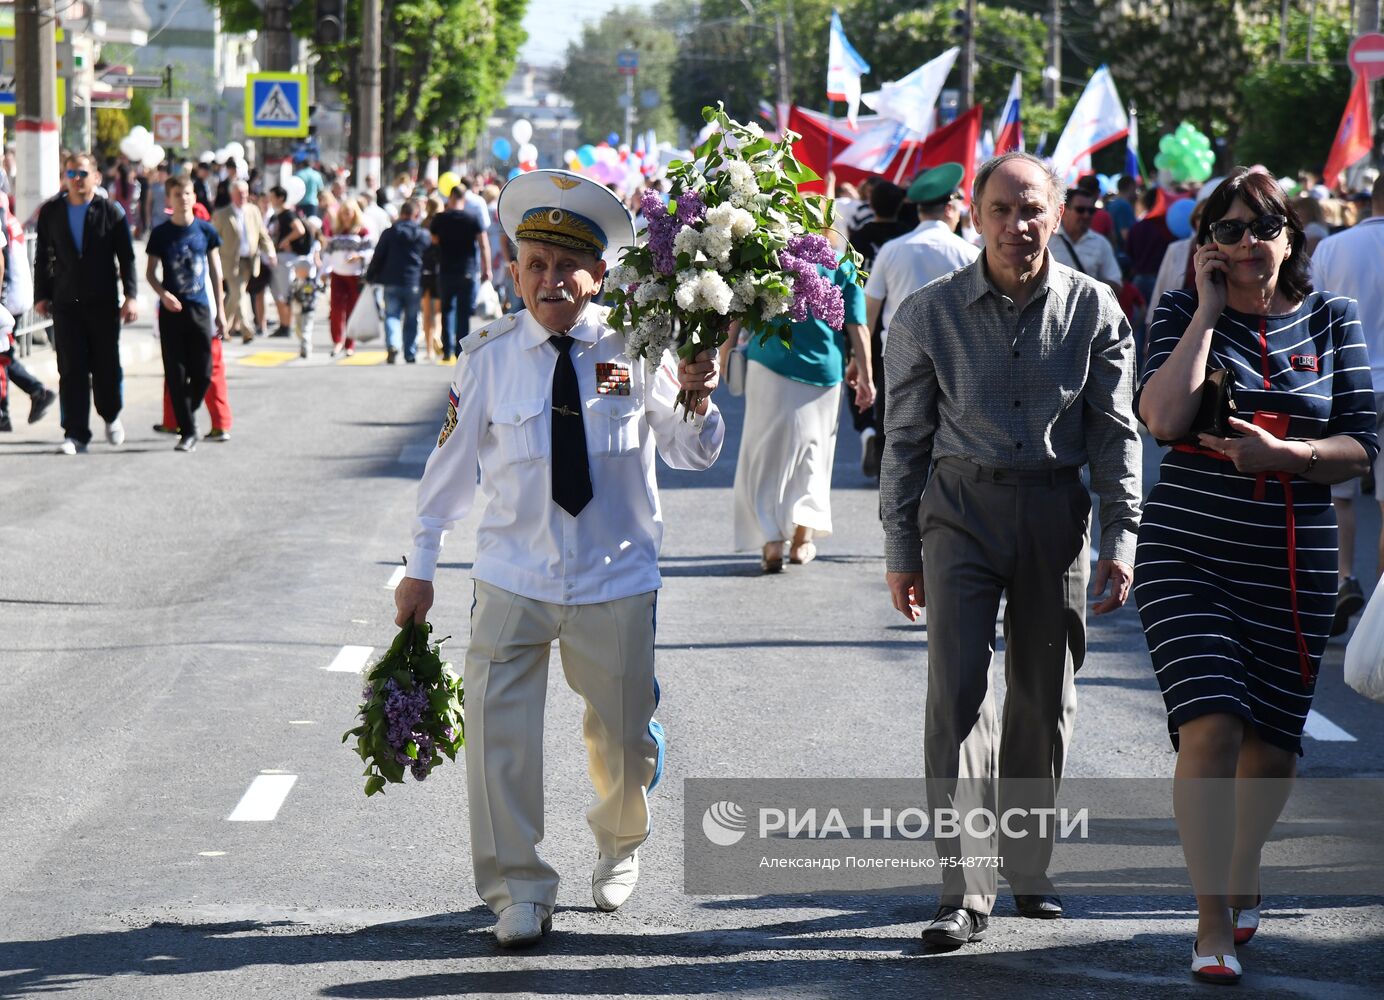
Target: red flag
x,y
1353,135
954,143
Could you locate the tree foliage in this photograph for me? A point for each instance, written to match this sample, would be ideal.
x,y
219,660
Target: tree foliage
x,y
444,64
1292,107
590,78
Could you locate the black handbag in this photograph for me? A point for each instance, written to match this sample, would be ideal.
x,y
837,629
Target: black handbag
x,y
1214,409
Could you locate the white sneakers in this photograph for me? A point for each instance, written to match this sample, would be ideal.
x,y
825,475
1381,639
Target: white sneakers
x,y
115,432
71,446
612,881
522,924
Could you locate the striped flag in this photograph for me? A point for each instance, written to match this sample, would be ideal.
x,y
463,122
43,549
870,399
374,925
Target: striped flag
x,y
1352,136
1132,167
1097,120
844,69
1011,126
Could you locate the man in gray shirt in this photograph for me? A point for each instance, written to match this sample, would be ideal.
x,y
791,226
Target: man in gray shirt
x,y
1004,378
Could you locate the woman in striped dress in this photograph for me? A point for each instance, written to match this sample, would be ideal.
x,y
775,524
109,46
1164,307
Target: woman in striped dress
x,y
1235,575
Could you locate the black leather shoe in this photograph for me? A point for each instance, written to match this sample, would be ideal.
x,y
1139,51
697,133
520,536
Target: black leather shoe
x,y
1039,907
953,927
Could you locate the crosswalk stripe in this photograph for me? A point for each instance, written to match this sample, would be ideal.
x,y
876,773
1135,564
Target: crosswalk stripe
x,y
268,359
351,659
365,358
1319,727
263,799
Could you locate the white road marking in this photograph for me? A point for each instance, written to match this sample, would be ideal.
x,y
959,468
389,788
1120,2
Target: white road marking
x,y
301,722
211,854
351,659
415,454
264,797
1319,727
394,578
359,621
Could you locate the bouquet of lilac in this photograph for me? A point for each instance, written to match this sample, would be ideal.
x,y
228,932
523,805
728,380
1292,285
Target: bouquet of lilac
x,y
412,713
736,242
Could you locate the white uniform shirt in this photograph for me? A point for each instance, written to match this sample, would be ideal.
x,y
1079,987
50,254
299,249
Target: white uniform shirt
x,y
907,263
526,543
1352,263
1097,255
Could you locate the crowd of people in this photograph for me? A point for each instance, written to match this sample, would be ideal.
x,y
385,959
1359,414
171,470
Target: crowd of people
x,y
274,252
1006,339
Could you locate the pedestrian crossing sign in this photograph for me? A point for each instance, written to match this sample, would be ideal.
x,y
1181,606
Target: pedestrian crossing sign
x,y
276,105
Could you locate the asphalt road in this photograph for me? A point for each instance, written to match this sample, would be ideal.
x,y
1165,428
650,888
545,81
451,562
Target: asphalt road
x,y
169,624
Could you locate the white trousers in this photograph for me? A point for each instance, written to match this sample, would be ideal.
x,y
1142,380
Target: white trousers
x,y
607,653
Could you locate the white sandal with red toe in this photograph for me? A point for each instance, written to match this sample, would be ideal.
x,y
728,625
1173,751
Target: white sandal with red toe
x,y
1222,970
1246,919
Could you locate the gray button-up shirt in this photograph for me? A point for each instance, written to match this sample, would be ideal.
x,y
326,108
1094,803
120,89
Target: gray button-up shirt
x,y
970,375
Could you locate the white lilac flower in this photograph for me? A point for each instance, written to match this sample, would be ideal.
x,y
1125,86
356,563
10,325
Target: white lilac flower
x,y
622,276
716,245
715,293
651,291
754,129
774,303
688,295
742,223
743,297
687,241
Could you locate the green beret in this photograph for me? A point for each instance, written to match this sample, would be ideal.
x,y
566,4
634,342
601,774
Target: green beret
x,y
935,186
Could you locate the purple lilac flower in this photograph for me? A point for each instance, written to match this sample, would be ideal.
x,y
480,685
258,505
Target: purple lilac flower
x,y
813,292
691,208
420,770
663,228
812,248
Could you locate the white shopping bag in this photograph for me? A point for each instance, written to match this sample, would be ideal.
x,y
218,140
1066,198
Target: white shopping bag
x,y
364,323
1365,652
487,300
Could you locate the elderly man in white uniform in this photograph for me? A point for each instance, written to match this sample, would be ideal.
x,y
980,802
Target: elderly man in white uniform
x,y
564,427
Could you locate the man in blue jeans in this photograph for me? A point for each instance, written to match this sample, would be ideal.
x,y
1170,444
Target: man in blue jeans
x,y
458,233
398,267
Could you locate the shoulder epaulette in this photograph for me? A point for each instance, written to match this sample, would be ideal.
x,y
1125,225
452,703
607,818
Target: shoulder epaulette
x,y
491,331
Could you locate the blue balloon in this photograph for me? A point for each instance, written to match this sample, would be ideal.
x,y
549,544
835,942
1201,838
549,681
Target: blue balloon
x,y
613,139
513,174
1180,217
501,148
586,154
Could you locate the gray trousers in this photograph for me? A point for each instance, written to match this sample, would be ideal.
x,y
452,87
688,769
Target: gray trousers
x,y
986,533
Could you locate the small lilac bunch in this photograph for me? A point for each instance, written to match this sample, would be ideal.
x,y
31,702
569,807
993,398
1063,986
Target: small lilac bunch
x,y
412,711
735,243
812,292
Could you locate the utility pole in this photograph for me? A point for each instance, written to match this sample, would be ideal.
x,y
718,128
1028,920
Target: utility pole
x,y
1052,73
36,104
783,88
965,33
278,58
367,111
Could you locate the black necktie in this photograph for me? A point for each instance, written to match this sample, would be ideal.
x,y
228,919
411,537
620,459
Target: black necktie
x,y
571,473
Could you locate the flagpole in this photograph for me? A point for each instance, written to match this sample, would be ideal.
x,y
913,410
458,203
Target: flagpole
x,y
831,136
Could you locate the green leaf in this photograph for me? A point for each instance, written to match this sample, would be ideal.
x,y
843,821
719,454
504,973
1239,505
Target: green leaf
x,y
374,784
800,174
411,750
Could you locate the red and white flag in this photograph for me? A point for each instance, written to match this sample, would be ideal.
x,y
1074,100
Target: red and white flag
x,y
1011,126
1353,134
1098,119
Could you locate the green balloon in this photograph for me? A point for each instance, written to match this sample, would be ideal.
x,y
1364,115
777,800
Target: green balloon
x,y
1164,161
1167,144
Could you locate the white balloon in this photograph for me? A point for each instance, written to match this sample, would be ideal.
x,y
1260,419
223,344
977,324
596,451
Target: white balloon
x,y
296,189
132,147
139,130
522,131
153,156
222,155
235,149
528,153
207,157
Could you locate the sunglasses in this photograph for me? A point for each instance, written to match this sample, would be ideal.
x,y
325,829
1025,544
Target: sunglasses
x,y
72,175
1228,232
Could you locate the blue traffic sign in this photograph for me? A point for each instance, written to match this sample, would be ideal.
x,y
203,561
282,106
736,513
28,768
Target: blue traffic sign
x,y
276,105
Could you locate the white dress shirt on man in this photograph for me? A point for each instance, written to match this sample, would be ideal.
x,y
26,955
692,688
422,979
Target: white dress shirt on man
x,y
526,544
906,264
1097,256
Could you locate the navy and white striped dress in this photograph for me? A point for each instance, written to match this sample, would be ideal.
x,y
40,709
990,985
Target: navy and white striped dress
x,y
1211,572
